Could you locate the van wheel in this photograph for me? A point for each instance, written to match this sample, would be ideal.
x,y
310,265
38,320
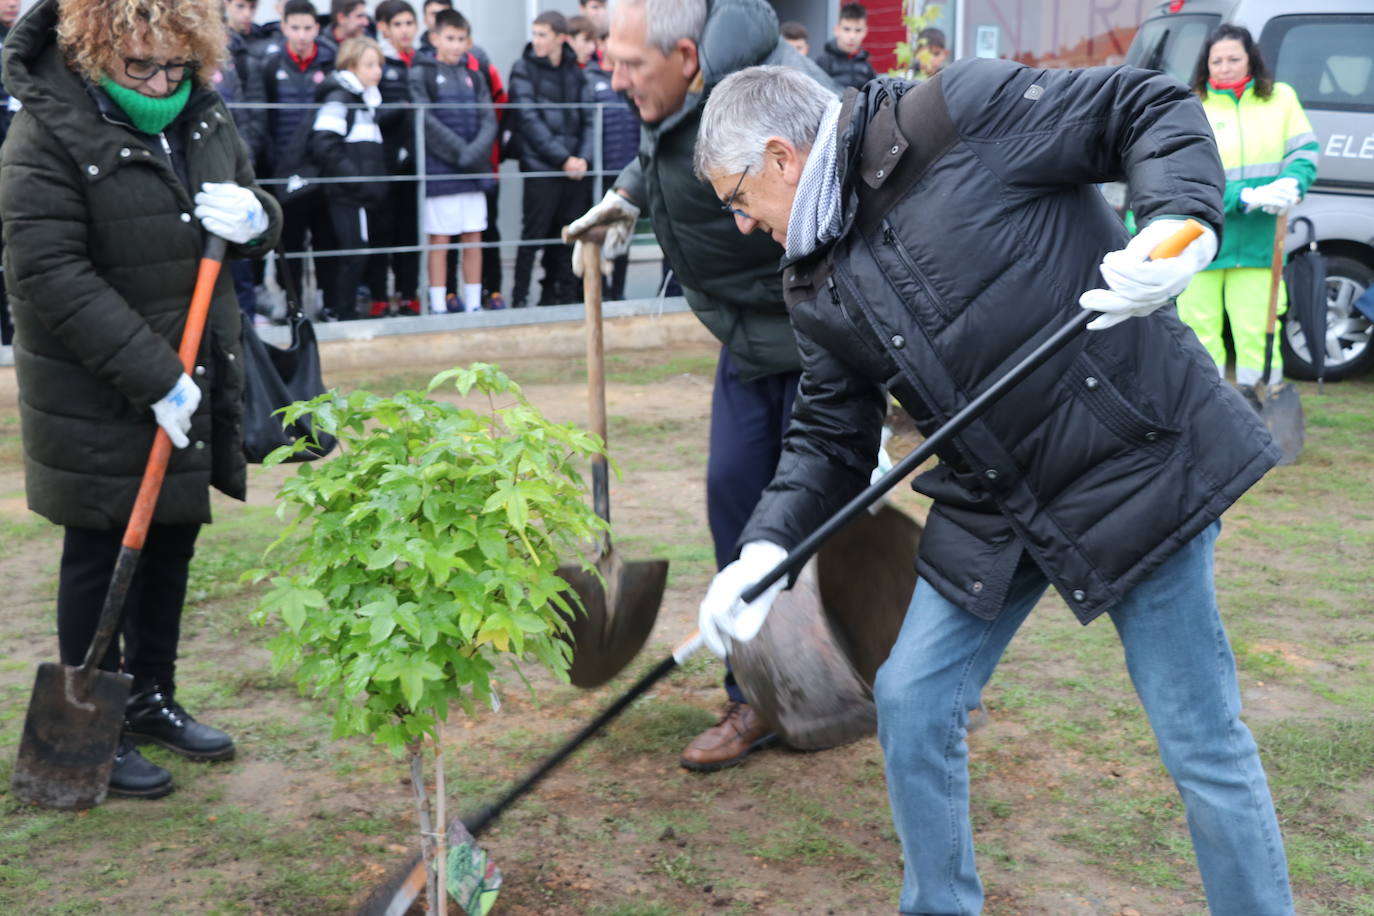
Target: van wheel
x,y
1348,341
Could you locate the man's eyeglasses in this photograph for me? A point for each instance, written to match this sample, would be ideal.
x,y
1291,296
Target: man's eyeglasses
x,y
729,205
136,68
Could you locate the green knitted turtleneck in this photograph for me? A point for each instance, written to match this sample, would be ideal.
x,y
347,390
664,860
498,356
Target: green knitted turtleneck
x,y
149,114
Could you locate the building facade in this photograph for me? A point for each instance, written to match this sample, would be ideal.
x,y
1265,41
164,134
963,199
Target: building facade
x,y
1044,33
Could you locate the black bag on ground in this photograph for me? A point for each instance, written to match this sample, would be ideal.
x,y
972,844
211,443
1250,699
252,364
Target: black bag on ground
x,y
274,377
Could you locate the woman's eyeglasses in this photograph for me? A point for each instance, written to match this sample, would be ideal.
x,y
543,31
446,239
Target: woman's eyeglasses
x,y
729,205
136,68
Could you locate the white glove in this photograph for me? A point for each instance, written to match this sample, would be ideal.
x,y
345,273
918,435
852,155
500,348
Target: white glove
x,y
174,411
231,212
884,465
618,216
1136,285
723,618
1274,197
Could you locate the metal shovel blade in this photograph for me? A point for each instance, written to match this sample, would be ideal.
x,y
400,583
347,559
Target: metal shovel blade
x,y
809,673
70,734
1282,411
618,615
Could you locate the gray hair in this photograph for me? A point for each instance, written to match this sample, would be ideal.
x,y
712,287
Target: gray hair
x,y
752,106
670,21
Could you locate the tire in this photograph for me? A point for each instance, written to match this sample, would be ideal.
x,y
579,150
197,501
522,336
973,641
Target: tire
x,y
1350,346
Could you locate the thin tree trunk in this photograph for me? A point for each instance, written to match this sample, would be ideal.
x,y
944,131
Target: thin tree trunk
x,y
417,782
441,852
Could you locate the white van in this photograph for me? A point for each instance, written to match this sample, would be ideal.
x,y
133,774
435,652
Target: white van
x,y
1324,49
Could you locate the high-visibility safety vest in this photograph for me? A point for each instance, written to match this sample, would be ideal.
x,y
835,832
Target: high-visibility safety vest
x,y
1260,140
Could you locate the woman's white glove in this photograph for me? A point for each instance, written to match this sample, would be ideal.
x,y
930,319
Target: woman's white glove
x,y
1136,285
231,212
1274,197
723,617
618,215
173,413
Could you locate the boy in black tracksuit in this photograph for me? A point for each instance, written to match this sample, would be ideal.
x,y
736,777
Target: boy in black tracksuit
x,y
346,143
551,140
619,139
843,58
292,74
396,224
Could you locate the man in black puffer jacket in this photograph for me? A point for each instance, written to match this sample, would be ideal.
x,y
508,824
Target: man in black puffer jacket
x,y
556,139
935,233
669,56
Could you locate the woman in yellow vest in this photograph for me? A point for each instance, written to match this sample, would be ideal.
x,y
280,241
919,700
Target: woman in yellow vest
x,y
1270,155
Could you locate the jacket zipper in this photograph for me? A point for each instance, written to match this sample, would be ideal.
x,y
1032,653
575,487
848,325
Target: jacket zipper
x,y
891,240
868,335
166,148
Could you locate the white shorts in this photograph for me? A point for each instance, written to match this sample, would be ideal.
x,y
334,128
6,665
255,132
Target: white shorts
x,y
454,214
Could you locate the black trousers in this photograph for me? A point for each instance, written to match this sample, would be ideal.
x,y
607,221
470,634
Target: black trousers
x,y
549,205
389,226
491,257
346,217
748,420
614,287
151,626
309,217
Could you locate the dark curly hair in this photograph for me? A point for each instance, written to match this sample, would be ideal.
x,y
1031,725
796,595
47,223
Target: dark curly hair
x,y
1264,80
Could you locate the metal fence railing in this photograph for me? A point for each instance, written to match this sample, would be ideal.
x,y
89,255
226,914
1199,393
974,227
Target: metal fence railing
x,y
599,176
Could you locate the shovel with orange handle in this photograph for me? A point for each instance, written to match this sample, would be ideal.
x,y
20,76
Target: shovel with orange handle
x,y
76,714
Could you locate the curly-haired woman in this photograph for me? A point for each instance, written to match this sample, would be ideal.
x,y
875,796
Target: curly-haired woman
x,y
119,163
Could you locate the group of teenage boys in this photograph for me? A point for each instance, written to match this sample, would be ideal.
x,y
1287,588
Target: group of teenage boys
x,y
289,63
844,58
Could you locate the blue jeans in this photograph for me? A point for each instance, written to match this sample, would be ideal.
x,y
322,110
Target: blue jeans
x,y
1183,670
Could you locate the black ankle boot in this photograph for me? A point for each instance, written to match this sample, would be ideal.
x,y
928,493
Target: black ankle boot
x,y
154,715
134,776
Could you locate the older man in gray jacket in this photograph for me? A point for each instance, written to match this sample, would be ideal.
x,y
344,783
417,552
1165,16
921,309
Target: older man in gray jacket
x,y
667,56
935,233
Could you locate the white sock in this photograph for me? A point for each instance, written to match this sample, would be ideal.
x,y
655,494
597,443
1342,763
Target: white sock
x,y
436,300
472,297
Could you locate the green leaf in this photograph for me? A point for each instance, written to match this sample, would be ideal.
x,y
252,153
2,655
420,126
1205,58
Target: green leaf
x,y
413,685
382,627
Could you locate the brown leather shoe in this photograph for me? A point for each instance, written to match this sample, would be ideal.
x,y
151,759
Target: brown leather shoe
x,y
738,734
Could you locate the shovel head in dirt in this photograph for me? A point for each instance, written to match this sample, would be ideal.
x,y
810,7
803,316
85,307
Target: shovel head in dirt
x,y
809,673
622,605
76,714
618,617
70,733
1282,411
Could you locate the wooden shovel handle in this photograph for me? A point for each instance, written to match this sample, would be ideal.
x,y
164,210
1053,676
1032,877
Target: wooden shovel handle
x,y
1276,275
206,277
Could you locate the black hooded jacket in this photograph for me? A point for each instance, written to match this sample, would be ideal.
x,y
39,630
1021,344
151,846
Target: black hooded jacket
x,y
548,136
849,71
972,225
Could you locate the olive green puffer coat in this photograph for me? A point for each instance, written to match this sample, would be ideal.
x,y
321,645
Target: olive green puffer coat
x,y
101,253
